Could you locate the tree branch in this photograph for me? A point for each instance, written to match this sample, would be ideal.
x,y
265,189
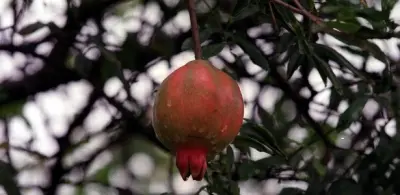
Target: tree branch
x,y
300,102
58,171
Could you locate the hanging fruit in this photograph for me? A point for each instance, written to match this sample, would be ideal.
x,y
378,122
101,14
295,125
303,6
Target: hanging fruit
x,y
198,111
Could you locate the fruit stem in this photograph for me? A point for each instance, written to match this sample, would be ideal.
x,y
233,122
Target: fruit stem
x,y
195,29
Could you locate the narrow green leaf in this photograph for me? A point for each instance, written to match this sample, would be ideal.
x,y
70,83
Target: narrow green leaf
x,y
82,64
294,63
346,13
346,27
286,40
246,170
247,11
267,119
79,190
234,188
12,108
113,68
330,9
321,170
244,141
288,20
101,175
364,45
7,179
212,50
268,139
270,161
352,113
227,6
30,28
230,158
311,61
338,58
252,50
324,68
203,36
247,129
387,5
345,186
291,191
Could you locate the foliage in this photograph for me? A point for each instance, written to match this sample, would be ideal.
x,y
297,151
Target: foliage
x,y
309,63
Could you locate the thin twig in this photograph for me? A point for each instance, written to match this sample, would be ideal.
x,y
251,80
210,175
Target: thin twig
x,y
274,24
308,14
300,10
195,29
288,6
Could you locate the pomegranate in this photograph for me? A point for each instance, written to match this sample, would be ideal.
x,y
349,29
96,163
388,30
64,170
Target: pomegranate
x,y
198,111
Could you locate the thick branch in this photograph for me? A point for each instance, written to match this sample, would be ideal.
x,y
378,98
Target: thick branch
x,y
58,171
300,102
57,59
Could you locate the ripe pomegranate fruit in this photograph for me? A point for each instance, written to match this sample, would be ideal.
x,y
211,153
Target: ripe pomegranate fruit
x,y
198,111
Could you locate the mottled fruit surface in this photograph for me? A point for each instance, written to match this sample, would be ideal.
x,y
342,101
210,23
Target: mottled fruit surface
x,y
198,111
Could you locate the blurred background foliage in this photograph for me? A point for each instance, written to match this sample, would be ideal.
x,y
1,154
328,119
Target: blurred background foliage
x,y
319,80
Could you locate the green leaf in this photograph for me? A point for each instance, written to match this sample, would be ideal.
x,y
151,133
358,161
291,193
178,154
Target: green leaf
x,y
285,41
352,113
330,9
270,161
30,28
267,119
346,13
113,68
338,58
247,11
230,158
203,36
110,66
82,65
335,100
212,50
345,186
294,63
387,5
287,18
7,179
246,170
325,69
12,108
201,189
291,191
234,188
252,50
346,27
80,190
365,45
227,6
321,169
244,141
102,175
264,136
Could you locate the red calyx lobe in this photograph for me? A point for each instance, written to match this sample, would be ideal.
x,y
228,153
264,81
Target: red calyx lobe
x,y
191,161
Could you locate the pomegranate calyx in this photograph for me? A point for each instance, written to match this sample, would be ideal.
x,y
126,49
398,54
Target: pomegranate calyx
x,y
191,161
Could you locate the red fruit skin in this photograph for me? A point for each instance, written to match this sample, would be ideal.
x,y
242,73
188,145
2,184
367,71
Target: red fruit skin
x,y
198,111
